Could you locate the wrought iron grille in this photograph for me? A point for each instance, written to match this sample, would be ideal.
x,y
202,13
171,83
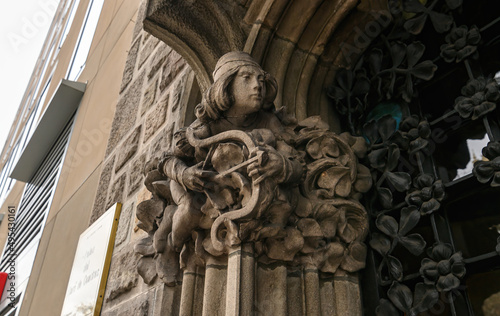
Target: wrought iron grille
x,y
424,95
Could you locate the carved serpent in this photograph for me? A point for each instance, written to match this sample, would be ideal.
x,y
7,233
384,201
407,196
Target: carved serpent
x,y
251,206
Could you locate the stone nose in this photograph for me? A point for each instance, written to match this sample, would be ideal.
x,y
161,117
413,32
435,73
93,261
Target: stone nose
x,y
256,84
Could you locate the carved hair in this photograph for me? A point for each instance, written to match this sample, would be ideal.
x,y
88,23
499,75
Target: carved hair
x,y
218,98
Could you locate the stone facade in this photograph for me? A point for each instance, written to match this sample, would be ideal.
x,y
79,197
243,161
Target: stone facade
x,y
149,107
157,97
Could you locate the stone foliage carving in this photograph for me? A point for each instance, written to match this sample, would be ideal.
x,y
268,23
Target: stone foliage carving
x,y
246,173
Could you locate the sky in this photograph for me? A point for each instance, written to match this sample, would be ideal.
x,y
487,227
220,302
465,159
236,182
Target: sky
x,y
23,27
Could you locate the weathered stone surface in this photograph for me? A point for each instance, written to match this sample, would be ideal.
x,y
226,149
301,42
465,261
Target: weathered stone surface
x,y
138,28
123,274
137,306
126,113
116,194
128,72
102,190
146,268
155,119
172,68
159,59
491,305
167,301
147,49
124,225
128,148
177,93
136,174
160,143
149,97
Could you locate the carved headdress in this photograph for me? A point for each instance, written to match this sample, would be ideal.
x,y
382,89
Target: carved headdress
x,y
233,60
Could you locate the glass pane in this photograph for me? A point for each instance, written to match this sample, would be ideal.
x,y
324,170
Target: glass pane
x,y
475,221
460,148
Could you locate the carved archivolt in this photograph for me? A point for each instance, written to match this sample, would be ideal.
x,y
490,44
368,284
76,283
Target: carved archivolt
x,y
245,173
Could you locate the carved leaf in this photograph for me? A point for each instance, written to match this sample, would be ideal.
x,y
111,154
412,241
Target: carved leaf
x,y
400,180
321,147
147,212
424,298
355,225
287,248
337,180
385,308
409,219
364,179
145,247
331,258
309,227
354,258
380,243
401,296
387,224
395,268
415,243
146,268
385,197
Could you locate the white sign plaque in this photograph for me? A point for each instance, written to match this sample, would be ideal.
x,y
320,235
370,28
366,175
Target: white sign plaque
x,y
88,277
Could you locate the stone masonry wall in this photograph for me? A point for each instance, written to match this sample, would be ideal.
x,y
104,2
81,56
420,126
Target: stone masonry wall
x,y
152,105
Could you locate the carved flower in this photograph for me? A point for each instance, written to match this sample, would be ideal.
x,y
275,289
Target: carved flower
x,y
401,297
441,22
416,132
444,269
460,43
427,194
350,89
386,160
486,170
480,97
405,65
414,243
492,150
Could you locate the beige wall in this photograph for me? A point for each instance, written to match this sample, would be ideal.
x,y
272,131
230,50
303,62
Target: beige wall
x,y
73,199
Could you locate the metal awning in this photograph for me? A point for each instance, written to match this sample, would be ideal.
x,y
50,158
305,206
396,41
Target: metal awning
x,y
61,108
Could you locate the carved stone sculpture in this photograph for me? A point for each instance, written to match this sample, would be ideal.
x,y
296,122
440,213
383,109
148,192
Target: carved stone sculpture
x,y
246,173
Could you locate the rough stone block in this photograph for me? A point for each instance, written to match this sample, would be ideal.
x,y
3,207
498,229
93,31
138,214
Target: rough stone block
x,y
147,49
124,224
125,113
172,68
177,93
123,273
160,143
128,72
149,97
128,148
102,190
155,119
116,194
136,174
140,305
159,59
141,14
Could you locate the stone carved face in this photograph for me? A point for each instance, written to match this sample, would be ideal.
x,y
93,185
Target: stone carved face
x,y
249,90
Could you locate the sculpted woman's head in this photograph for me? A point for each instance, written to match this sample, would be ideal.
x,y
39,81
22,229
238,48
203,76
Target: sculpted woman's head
x,y
239,81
